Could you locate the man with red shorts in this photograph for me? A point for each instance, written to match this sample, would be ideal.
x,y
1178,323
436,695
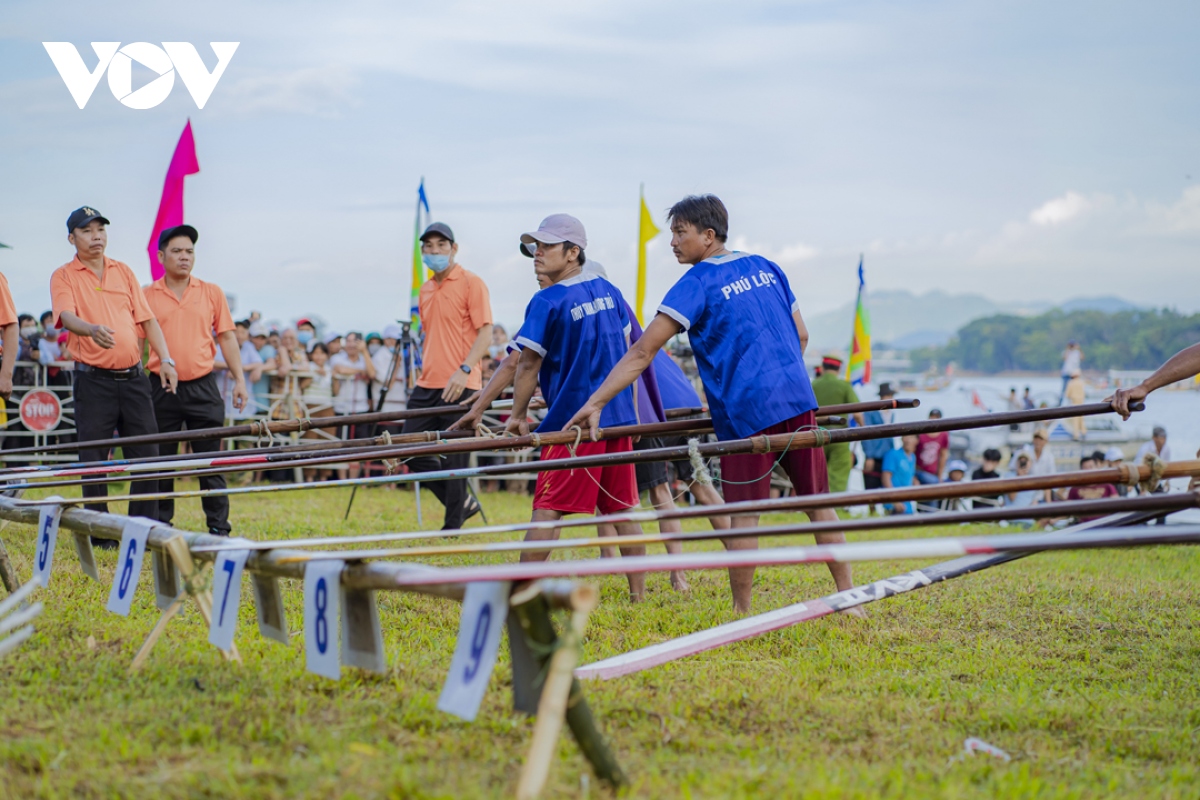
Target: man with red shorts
x,y
745,328
576,329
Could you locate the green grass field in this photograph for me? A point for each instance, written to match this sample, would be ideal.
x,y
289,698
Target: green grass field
x,y
1082,666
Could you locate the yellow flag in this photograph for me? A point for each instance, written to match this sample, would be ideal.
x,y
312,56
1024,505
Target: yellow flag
x,y
647,230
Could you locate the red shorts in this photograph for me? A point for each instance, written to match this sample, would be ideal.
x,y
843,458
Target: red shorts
x,y
582,491
748,476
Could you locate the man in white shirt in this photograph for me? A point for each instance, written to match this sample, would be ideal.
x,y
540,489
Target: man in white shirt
x,y
252,366
1157,446
353,370
1041,460
397,393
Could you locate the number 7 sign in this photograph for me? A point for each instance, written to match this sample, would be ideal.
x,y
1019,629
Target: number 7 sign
x,y
484,611
227,596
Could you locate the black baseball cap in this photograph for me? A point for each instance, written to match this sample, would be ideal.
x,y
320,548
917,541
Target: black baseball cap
x,y
441,229
82,216
178,230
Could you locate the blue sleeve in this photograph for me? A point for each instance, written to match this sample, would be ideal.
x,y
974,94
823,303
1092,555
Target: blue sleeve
x,y
685,301
534,329
792,302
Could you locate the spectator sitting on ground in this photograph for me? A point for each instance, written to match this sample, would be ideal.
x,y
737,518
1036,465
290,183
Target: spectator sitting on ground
x,y
1099,491
1026,498
986,472
899,468
1115,458
956,472
1157,446
932,453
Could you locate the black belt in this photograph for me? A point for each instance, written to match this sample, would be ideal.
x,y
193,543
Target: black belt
x,y
129,373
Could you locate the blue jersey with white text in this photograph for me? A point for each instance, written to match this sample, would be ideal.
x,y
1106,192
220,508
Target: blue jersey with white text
x,y
737,311
579,328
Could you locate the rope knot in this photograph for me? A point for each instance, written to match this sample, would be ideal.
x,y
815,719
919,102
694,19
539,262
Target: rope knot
x,y
578,438
1157,467
1129,474
699,468
390,465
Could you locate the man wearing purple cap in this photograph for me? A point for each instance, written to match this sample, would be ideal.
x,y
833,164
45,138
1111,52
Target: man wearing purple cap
x,y
576,329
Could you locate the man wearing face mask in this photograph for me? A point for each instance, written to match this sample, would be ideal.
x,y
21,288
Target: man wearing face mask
x,y
456,315
306,333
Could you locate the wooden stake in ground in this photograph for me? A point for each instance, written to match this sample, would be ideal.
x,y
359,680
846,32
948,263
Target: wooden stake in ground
x,y
196,581
562,696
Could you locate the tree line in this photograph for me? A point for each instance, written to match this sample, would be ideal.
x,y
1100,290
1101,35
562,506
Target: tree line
x,y
1123,340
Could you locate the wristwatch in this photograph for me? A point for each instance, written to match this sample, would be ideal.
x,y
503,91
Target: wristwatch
x,y
465,369
169,361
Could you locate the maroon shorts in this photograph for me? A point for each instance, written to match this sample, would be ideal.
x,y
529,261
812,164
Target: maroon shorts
x,y
582,491
748,476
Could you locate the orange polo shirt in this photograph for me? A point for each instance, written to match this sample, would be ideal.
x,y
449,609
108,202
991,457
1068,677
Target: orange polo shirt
x,y
115,301
452,312
188,324
8,310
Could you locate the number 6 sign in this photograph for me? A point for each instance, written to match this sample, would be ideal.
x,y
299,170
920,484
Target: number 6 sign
x,y
129,565
484,611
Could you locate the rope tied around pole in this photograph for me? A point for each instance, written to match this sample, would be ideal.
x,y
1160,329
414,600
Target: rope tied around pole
x,y
699,468
578,438
389,464
761,444
1157,466
1130,476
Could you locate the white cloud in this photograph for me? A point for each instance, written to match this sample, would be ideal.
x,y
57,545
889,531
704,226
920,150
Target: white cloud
x,y
1060,209
318,90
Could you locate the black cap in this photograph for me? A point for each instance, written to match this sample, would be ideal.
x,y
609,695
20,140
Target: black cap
x,y
82,216
178,230
886,390
441,229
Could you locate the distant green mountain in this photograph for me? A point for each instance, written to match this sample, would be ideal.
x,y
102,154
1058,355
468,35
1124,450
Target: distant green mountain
x,y
905,320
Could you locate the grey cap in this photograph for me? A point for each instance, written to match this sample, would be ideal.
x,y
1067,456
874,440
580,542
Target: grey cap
x,y
441,229
257,329
557,228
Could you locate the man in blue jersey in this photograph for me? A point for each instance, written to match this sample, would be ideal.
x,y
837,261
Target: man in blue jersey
x,y
576,329
745,328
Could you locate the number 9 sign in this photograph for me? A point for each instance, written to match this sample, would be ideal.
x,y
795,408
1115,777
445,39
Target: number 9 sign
x,y
484,610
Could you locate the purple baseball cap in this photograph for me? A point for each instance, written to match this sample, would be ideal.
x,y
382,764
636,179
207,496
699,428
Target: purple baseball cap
x,y
554,229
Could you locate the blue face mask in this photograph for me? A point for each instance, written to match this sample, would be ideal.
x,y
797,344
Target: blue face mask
x,y
304,336
435,262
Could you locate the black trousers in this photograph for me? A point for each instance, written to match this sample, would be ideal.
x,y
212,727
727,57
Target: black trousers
x,y
453,494
104,404
196,404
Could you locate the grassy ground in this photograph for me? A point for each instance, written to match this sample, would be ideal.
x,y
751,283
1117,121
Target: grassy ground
x,y
1082,666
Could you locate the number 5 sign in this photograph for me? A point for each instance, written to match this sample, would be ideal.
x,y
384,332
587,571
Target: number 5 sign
x,y
47,537
484,610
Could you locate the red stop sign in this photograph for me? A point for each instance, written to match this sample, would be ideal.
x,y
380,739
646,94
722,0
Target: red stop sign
x,y
40,411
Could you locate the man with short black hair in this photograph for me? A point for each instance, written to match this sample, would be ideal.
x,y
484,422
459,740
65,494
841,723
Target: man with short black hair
x,y
192,312
100,302
456,318
748,337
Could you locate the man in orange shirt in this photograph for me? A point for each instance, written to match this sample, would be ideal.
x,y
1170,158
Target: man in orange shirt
x,y
456,318
99,301
8,324
191,312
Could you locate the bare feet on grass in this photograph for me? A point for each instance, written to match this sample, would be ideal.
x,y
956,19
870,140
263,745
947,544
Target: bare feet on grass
x,y
854,611
679,583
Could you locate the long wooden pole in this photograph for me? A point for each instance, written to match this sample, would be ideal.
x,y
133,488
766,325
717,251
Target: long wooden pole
x,y
756,444
1071,508
942,491
677,414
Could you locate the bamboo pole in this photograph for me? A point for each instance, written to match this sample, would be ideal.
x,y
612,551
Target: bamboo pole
x,y
1071,508
757,444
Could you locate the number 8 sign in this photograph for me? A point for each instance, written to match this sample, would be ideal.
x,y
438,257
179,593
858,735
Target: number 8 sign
x,y
484,610
129,565
322,596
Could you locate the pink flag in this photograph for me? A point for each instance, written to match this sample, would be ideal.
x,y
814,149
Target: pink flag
x,y
170,208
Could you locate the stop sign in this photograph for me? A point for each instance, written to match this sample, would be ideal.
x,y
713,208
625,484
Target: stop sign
x,y
40,411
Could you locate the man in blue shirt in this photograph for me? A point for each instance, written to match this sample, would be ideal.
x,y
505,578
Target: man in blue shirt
x,y
875,449
748,337
899,470
575,331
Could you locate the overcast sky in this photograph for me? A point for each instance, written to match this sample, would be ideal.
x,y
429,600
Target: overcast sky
x,y
1018,150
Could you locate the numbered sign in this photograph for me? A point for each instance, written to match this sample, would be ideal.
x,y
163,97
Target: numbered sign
x,y
167,584
322,593
268,599
129,564
47,537
227,596
484,610
362,638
